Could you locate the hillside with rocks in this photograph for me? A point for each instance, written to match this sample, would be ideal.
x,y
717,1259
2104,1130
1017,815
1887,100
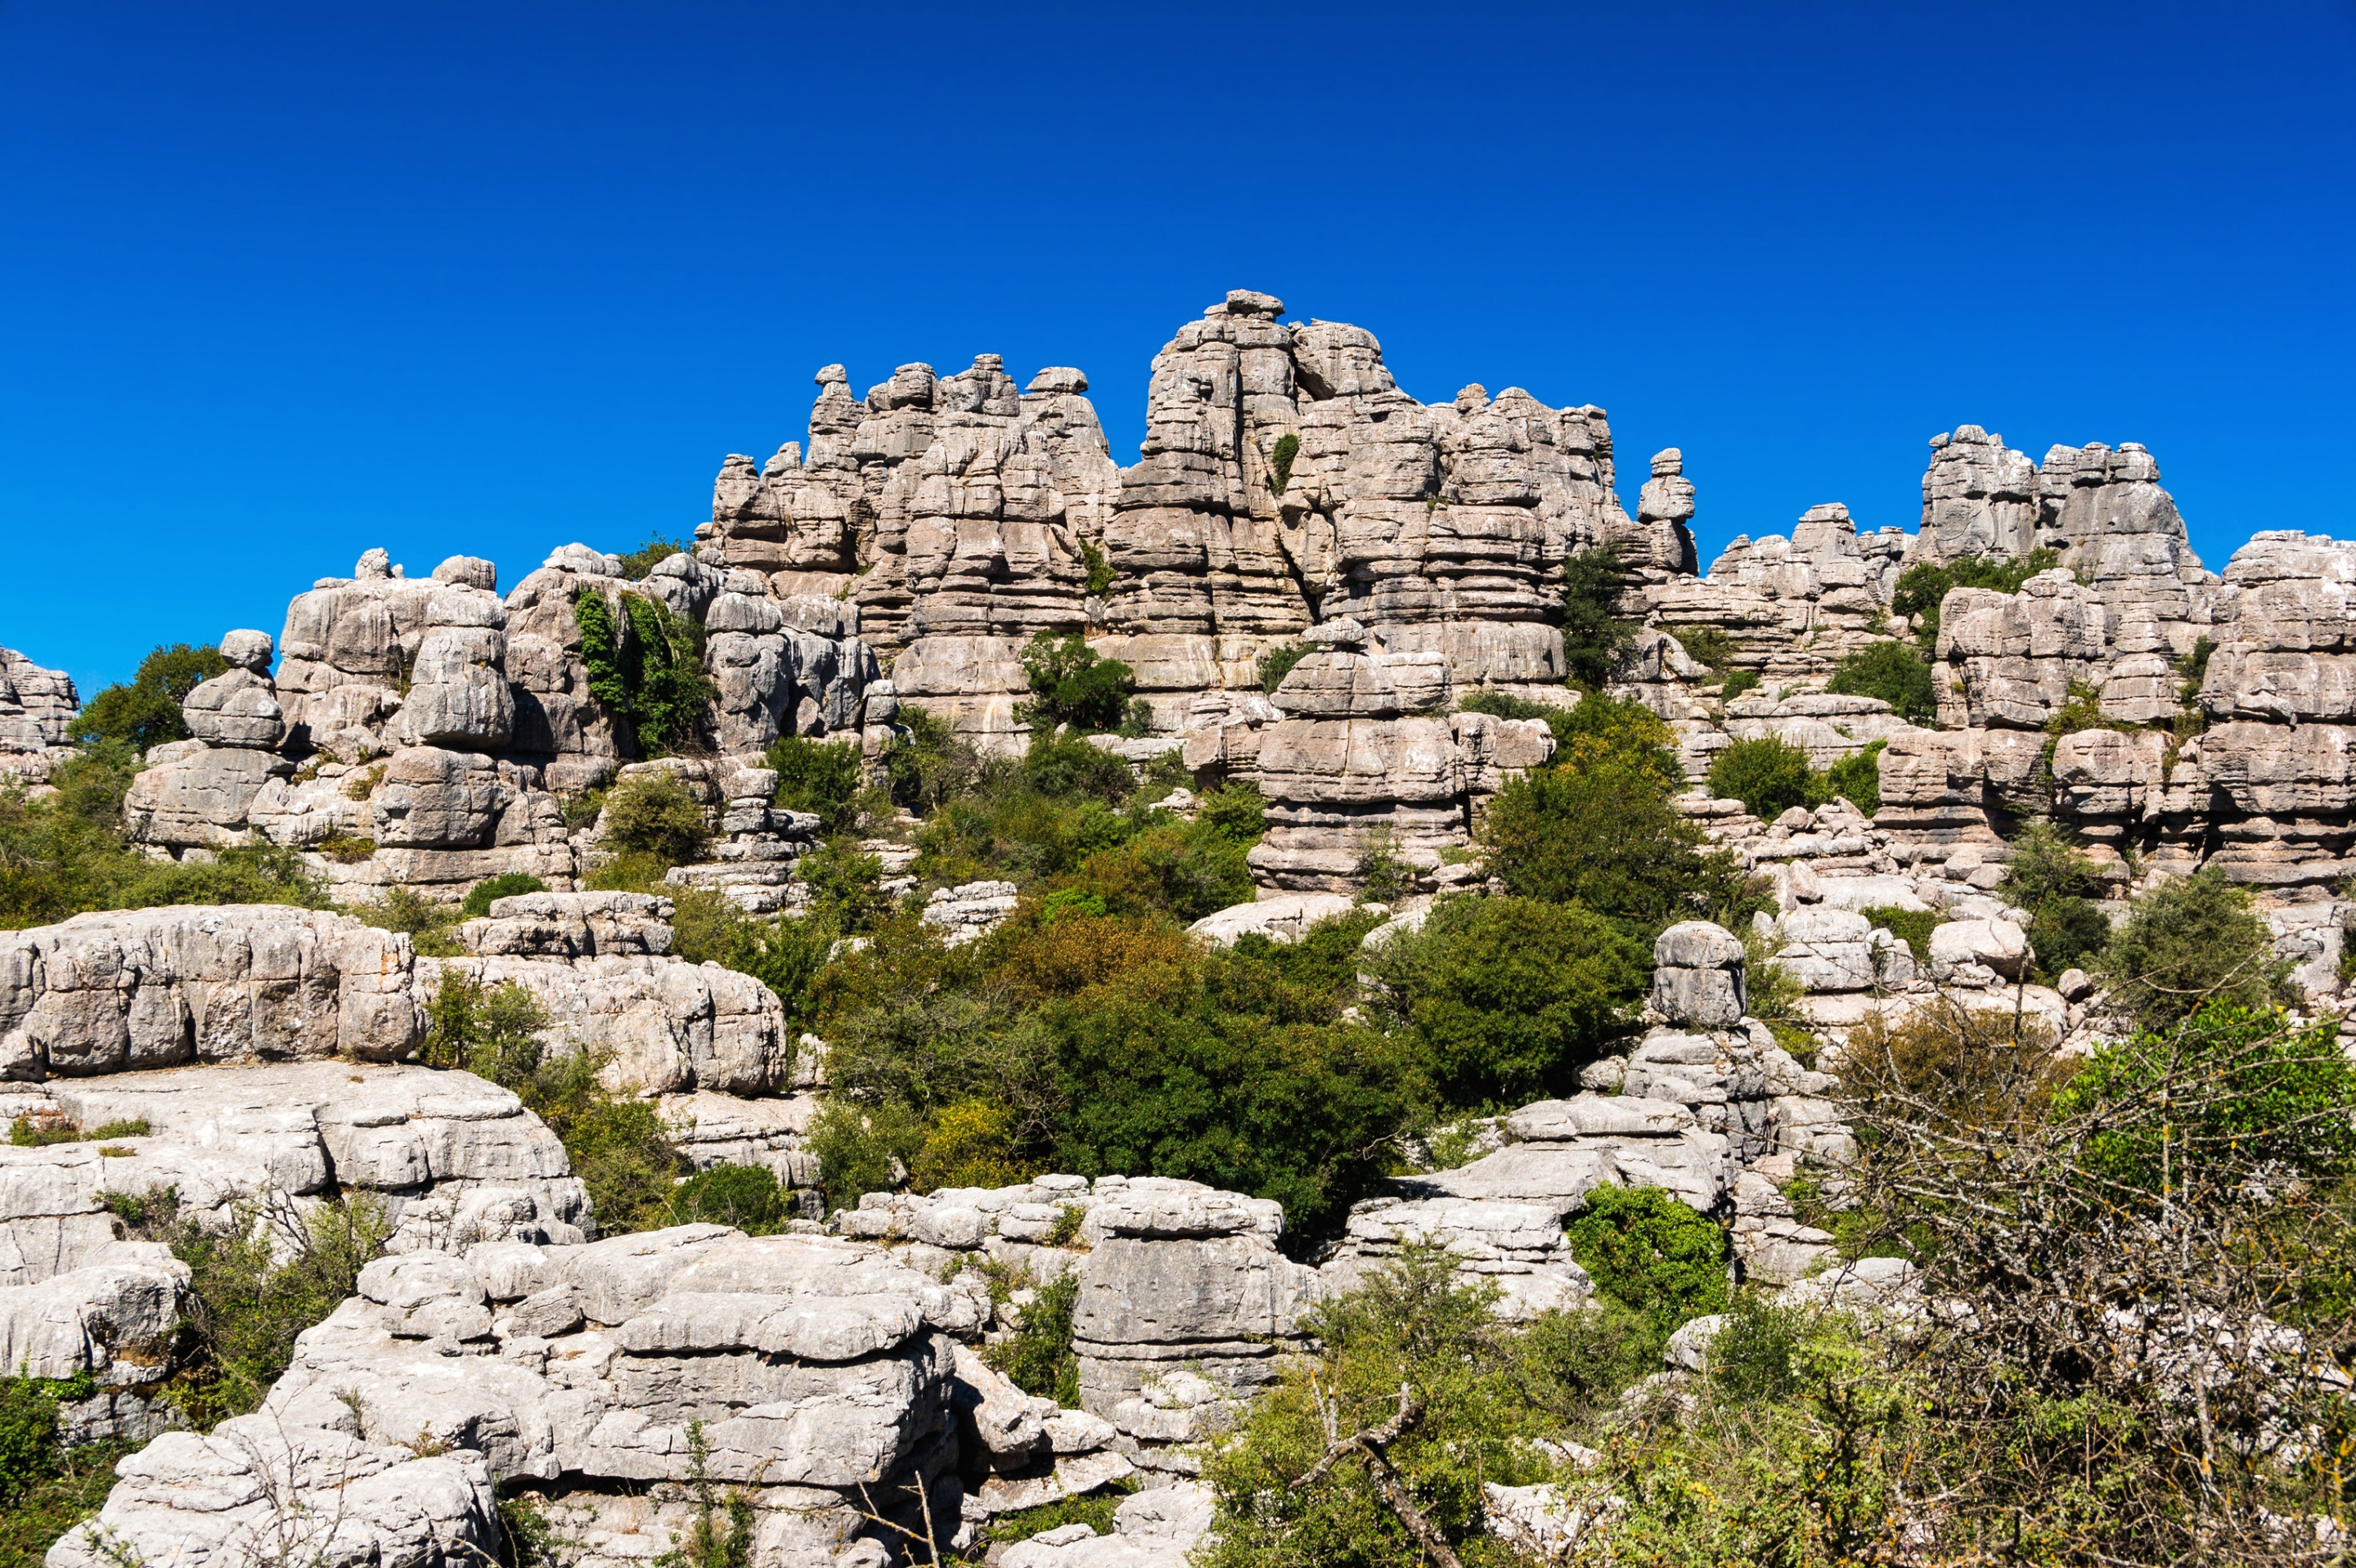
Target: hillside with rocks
x,y
1329,995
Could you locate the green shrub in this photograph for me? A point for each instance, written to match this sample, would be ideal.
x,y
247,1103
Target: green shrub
x,y
1757,1353
823,779
1738,683
28,1429
2191,941
1910,927
2048,878
929,765
654,815
1768,775
1498,704
863,1148
71,1487
1100,572
505,885
1651,1255
66,853
1505,998
1608,837
1596,642
1037,1357
1415,1354
37,1130
748,1197
644,666
1237,810
253,1289
637,563
1187,868
1063,766
147,711
1856,778
2194,667
1606,734
1277,662
970,1143
1070,685
1280,462
784,952
1922,589
2275,1096
1893,672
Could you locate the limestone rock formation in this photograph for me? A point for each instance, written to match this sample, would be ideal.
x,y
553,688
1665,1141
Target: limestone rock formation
x,y
37,706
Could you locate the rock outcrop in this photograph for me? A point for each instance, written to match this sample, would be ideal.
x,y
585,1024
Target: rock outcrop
x,y
37,707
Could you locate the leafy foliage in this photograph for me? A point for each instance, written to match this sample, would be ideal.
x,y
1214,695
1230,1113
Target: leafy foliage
x,y
1856,778
1037,1357
1070,685
1768,775
637,563
826,779
930,766
2189,940
654,815
1280,462
1596,641
2048,877
1893,672
1601,832
1912,927
1651,1255
748,1197
1504,1000
1441,1399
1100,571
147,711
646,666
1277,662
1710,645
66,853
1921,588
505,885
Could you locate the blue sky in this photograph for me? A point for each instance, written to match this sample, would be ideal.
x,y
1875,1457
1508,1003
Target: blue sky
x,y
281,283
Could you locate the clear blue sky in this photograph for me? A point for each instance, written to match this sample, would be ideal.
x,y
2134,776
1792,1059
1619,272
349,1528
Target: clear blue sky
x,y
281,283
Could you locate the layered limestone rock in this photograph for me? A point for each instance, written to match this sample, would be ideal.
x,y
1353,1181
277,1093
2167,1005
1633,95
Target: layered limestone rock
x,y
953,516
1979,497
802,1368
1360,765
1792,606
37,707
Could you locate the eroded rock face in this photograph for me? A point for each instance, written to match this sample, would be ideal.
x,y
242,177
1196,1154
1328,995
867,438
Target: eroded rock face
x,y
147,988
37,706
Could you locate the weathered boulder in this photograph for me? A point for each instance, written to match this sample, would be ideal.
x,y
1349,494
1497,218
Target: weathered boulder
x,y
36,708
1697,976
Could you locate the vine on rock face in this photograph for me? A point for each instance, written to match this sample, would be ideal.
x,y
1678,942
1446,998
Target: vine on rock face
x,y
644,665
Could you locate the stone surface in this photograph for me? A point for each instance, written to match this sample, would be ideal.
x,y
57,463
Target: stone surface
x,y
37,706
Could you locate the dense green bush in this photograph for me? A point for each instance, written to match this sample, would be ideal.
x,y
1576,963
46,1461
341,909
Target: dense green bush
x,y
1651,1255
1280,462
1912,927
65,853
1892,671
1596,641
1605,834
748,1197
505,885
1070,685
1099,569
1856,778
2189,942
825,779
147,711
928,766
636,563
1768,775
1037,1357
644,665
655,816
1710,645
1449,1401
2048,877
1921,588
1504,1000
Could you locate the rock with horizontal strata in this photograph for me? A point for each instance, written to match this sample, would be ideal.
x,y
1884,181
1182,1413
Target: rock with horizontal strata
x,y
37,707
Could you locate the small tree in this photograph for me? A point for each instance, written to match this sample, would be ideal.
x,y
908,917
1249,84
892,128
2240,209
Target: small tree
x,y
2190,941
1893,672
824,779
654,815
147,711
1596,642
1070,685
1768,775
